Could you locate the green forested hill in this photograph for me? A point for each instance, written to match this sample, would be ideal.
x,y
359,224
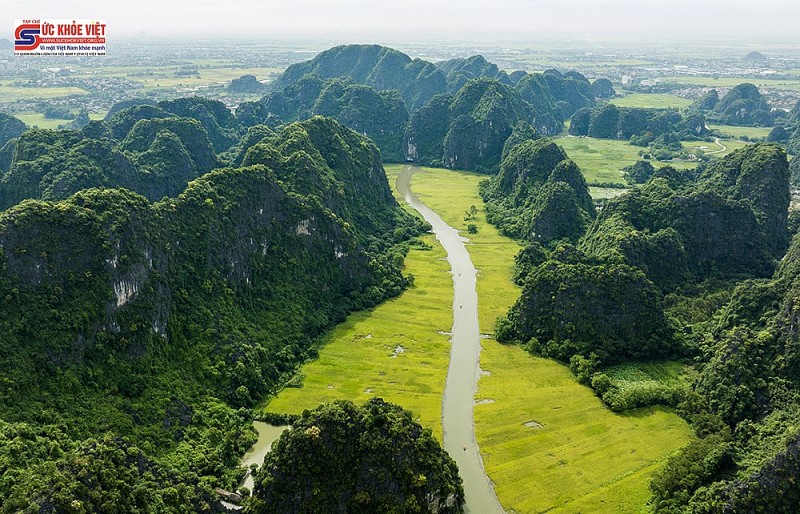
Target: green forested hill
x,y
156,158
469,129
153,150
787,131
745,405
539,194
689,266
459,111
222,127
460,71
481,117
133,331
742,105
382,116
373,458
640,126
10,127
571,90
379,67
728,223
731,220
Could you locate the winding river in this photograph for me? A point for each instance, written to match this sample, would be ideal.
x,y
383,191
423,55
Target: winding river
x,y
462,374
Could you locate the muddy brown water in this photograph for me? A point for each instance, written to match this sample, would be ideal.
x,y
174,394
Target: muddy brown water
x,y
267,434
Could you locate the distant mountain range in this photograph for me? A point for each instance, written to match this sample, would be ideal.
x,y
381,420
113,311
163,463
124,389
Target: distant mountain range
x,y
457,113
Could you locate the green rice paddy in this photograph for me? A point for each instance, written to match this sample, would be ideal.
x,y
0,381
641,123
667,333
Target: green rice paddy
x,y
547,442
582,457
651,101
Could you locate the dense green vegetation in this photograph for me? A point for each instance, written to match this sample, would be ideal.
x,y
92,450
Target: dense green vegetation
x,y
787,131
132,332
742,105
419,81
382,116
603,88
460,112
794,171
343,458
555,97
637,384
641,126
379,67
680,268
539,194
745,407
731,220
46,470
10,127
152,150
468,130
603,312
460,71
638,172
659,130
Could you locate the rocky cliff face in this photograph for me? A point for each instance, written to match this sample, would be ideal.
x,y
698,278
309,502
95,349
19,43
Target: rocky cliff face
x,y
275,233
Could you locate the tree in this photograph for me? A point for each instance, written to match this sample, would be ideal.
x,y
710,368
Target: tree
x,y
638,172
471,212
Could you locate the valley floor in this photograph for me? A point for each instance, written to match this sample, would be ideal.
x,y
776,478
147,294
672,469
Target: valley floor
x,y
398,351
547,442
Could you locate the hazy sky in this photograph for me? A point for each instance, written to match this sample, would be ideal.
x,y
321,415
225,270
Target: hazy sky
x,y
429,19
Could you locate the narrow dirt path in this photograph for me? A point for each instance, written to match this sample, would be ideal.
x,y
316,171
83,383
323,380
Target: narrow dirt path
x,y
722,148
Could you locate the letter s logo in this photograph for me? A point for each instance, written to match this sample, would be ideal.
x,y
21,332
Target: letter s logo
x,y
26,37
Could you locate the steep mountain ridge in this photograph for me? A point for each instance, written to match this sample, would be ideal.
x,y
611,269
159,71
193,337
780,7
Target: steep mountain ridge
x,y
380,67
160,320
460,111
